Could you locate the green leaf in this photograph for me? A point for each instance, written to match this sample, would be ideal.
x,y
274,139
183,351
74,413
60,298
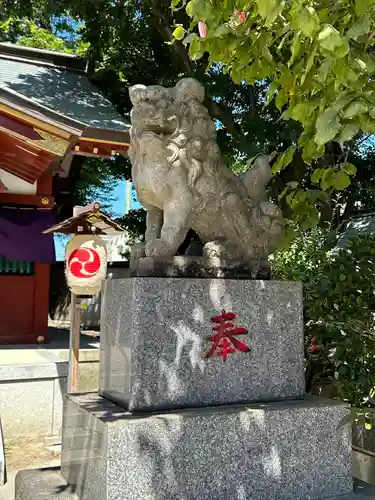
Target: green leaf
x,y
289,198
345,72
266,7
286,77
283,160
222,30
310,60
283,40
359,28
360,65
196,50
372,111
311,151
271,92
190,9
301,112
305,19
327,127
316,194
237,74
355,108
269,10
367,124
362,6
293,184
349,168
198,9
324,69
340,180
281,196
179,33
296,48
326,180
189,38
281,99
348,131
331,41
310,219
342,100
258,70
317,175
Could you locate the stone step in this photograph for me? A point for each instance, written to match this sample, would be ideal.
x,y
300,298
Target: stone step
x,y
361,491
42,484
266,451
48,484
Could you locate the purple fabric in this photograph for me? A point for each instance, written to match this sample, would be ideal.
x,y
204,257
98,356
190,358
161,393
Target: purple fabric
x,y
21,235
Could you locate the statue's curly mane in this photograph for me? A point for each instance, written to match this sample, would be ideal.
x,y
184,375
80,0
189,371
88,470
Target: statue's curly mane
x,y
193,143
187,131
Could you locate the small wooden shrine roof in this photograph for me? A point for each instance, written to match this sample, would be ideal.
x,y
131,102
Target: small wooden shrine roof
x,y
50,112
89,219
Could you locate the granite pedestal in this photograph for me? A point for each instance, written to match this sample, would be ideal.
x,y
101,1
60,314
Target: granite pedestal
x,y
189,428
154,335
271,451
30,484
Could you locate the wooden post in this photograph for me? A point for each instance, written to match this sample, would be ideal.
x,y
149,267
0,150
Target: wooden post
x,y
75,330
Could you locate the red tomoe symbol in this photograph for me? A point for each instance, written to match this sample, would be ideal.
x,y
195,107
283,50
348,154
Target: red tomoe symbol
x,y
223,338
84,262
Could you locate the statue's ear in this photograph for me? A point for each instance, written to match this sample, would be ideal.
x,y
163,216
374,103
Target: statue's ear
x,y
137,93
188,89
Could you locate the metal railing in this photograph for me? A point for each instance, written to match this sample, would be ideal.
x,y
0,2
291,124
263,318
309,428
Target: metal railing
x,y
16,267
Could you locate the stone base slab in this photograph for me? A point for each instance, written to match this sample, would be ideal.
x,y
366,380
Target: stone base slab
x,y
155,333
280,451
46,484
50,485
198,267
31,393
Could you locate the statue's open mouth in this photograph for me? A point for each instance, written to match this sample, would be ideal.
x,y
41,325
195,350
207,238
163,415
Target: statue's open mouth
x,y
161,126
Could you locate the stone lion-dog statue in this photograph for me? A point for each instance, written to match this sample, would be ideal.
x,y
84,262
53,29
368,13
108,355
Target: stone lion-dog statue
x,y
181,180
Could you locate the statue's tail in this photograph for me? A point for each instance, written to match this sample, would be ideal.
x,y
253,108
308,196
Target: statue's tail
x,y
267,218
257,178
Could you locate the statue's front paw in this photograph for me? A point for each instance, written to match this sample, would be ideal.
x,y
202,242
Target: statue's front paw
x,y
158,249
137,251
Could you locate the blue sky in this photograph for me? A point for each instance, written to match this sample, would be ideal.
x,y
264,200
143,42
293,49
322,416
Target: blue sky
x,y
118,209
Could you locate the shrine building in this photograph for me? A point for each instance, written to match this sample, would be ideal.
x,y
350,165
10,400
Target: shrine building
x,y
51,118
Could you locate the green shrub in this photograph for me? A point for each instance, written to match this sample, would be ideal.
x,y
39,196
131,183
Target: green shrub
x,y
339,307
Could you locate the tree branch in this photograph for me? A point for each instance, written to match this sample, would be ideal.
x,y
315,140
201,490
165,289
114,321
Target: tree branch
x,y
163,24
164,27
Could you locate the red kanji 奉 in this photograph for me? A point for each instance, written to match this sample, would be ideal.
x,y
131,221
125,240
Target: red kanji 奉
x,y
224,336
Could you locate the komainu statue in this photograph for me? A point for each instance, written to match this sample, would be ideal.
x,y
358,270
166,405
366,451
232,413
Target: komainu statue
x,y
181,180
